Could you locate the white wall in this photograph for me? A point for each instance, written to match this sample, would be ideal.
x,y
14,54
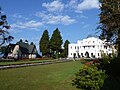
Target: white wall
x,y
16,51
32,56
92,45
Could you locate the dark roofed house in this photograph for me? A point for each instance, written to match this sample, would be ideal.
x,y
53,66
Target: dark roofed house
x,y
21,50
32,50
9,50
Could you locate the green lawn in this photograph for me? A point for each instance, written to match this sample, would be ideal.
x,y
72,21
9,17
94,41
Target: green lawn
x,y
44,77
23,62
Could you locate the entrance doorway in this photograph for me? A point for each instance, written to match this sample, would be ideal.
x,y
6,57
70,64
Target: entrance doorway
x,y
87,55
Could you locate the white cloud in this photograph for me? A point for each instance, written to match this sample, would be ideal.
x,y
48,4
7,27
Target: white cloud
x,y
18,16
14,30
54,6
80,5
55,19
72,4
61,17
32,25
87,4
22,22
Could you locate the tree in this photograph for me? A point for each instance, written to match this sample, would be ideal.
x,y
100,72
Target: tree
x,y
3,49
56,42
65,52
44,43
110,21
4,34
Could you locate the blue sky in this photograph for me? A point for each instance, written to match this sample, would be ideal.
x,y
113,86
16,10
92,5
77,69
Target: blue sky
x,y
76,19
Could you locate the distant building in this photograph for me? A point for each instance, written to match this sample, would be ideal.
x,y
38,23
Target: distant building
x,y
90,47
21,50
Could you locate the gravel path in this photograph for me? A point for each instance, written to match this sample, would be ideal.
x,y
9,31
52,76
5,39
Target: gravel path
x,y
32,64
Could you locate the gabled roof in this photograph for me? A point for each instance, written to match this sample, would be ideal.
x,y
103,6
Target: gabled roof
x,y
32,49
10,48
24,47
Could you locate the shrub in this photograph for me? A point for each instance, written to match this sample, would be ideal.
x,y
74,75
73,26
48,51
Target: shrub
x,y
112,68
110,64
106,59
90,78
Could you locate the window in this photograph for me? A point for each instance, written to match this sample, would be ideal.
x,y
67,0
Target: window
x,y
98,54
93,46
71,47
91,54
105,47
84,47
78,55
75,47
78,47
71,53
82,54
89,47
93,41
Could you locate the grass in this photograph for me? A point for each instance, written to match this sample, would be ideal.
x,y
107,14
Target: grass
x,y
45,77
22,62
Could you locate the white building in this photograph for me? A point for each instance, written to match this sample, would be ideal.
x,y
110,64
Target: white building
x,y
90,47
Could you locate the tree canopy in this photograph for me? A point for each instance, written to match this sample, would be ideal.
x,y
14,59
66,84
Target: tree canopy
x,y
56,43
65,52
4,26
56,40
110,21
44,43
53,47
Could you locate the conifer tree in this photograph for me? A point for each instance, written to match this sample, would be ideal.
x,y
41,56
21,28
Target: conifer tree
x,y
65,52
56,42
44,44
